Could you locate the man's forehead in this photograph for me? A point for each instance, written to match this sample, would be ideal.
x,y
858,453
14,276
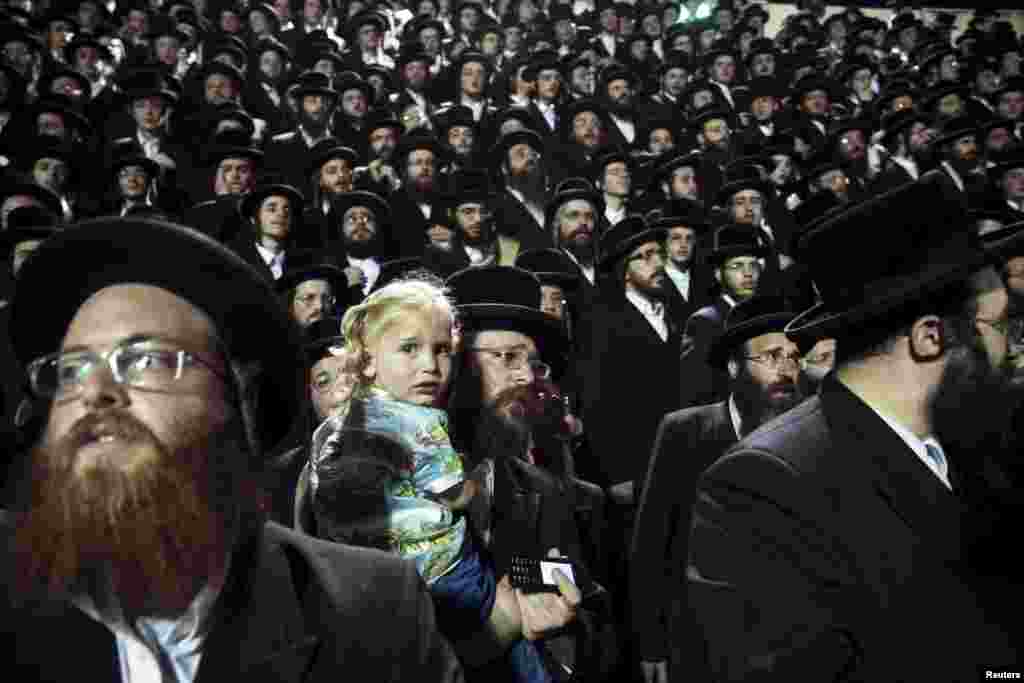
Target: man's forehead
x,y
124,310
771,340
507,338
644,247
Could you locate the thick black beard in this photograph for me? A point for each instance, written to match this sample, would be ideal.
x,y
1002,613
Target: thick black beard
x,y
584,254
312,126
971,407
362,250
531,185
754,404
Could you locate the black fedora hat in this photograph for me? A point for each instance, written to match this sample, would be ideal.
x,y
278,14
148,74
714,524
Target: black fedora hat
x,y
312,264
693,159
350,80
508,298
411,143
14,184
326,150
250,320
730,241
954,129
683,213
627,234
561,198
399,269
27,223
468,185
518,137
369,200
1006,160
251,202
551,266
231,144
1005,243
322,338
128,152
919,246
758,315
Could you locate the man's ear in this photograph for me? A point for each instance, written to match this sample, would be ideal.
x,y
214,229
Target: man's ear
x,y
927,338
667,189
718,276
734,368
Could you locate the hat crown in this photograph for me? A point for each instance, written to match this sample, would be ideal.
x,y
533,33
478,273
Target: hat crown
x,y
503,285
545,261
736,236
760,306
891,238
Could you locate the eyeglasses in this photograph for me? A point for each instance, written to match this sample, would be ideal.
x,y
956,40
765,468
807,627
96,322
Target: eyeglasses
x,y
328,300
143,363
818,360
516,359
326,380
741,267
775,358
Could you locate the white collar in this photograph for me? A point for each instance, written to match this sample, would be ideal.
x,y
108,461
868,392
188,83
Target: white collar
x,y
653,311
589,272
729,300
918,446
735,417
957,179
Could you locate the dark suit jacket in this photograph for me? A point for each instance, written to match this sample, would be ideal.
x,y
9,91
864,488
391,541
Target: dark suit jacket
x,y
514,220
700,383
287,154
294,609
823,549
245,246
408,229
632,384
892,176
688,441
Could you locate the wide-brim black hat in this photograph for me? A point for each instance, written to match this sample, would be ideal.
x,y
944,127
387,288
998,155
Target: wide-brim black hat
x,y
353,82
624,236
231,145
309,264
248,315
506,142
955,129
321,338
561,198
570,110
1005,243
732,240
397,269
132,155
1011,158
509,298
222,69
86,40
666,168
27,223
410,143
918,247
744,183
13,184
748,319
59,104
551,266
370,200
328,149
251,201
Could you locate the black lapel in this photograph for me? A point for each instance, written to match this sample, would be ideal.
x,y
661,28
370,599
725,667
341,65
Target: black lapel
x,y
909,488
722,430
516,508
259,633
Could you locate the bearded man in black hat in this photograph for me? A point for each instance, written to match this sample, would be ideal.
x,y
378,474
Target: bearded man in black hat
x,y
616,91
288,153
736,258
329,174
955,147
906,141
154,444
361,241
418,158
843,522
271,218
685,224
380,175
519,210
233,164
312,287
1007,176
635,337
764,370
511,358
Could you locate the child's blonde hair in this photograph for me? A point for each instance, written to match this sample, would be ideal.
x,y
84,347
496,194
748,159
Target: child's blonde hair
x,y
365,323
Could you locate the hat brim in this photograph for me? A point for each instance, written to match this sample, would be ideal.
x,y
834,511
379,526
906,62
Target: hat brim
x,y
824,321
246,311
718,256
333,274
620,249
546,332
723,345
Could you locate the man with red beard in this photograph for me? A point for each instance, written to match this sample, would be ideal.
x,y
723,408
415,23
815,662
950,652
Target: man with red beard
x,y
418,158
763,371
522,161
861,529
136,544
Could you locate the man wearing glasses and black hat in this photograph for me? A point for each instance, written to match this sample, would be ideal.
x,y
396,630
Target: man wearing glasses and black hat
x,y
165,387
843,523
763,369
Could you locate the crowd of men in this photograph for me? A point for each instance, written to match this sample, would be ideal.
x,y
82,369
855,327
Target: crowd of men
x,y
730,228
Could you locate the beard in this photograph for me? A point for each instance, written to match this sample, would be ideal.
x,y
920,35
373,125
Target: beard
x,y
421,186
971,407
151,528
529,181
316,125
361,249
760,403
623,108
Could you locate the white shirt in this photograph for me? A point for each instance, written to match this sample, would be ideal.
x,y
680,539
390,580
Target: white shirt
x,y
908,165
680,278
274,261
919,446
653,312
628,128
609,43
614,216
310,142
370,269
726,93
729,300
150,144
767,128
735,417
547,110
158,650
476,106
536,211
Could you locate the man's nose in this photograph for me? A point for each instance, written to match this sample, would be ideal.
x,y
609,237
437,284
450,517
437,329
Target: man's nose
x,y
101,390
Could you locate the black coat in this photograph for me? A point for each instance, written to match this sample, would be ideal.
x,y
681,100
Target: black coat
x,y
632,384
688,441
287,155
408,229
700,383
824,549
293,609
514,220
